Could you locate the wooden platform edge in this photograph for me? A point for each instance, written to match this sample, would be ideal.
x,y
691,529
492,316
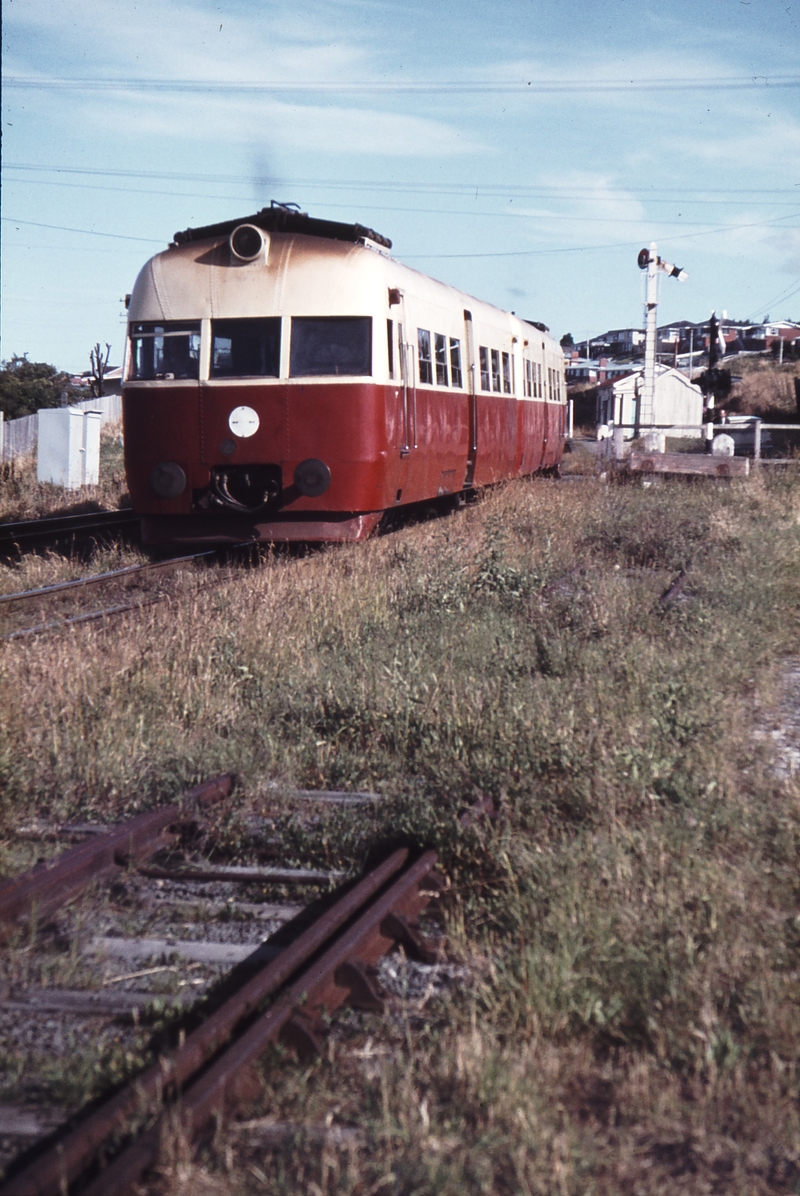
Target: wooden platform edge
x,y
701,464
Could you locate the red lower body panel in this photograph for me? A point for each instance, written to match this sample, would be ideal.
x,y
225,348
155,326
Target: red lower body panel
x,y
240,529
383,450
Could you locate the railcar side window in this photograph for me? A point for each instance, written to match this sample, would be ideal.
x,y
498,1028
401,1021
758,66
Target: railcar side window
x,y
425,363
390,344
246,348
506,374
495,369
528,380
165,351
485,380
440,345
338,345
455,362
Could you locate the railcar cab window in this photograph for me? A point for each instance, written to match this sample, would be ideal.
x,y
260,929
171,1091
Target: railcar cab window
x,y
331,345
425,363
165,351
246,348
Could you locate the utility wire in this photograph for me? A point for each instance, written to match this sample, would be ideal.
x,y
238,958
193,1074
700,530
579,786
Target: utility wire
x,y
725,228
91,232
487,189
606,197
780,298
479,214
394,86
441,256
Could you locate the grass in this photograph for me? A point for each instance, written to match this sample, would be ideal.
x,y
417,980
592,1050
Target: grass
x,y
22,497
766,388
630,921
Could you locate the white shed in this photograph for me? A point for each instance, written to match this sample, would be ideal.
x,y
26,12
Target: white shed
x,y
678,405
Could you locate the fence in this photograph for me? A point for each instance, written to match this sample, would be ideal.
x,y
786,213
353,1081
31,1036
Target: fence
x,y
751,436
20,437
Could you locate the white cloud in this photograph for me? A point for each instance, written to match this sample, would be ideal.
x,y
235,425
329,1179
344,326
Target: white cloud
x,y
265,123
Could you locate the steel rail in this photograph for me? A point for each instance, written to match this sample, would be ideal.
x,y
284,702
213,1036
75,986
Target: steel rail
x,y
106,611
229,1079
73,620
96,578
48,886
59,525
329,980
238,874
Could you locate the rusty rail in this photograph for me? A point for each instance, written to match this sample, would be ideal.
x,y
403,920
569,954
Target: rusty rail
x,y
93,579
24,597
231,1040
46,887
57,527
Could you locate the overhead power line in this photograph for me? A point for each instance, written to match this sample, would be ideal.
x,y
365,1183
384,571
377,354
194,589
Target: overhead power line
x,y
441,256
706,232
399,86
485,190
581,195
787,293
90,232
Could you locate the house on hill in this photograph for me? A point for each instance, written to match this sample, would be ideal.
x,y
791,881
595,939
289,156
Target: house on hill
x,y
677,406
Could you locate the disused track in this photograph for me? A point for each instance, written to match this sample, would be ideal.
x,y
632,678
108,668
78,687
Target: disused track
x,y
67,599
58,529
315,962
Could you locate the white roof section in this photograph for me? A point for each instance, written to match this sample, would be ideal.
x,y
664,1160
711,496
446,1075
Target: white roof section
x,y
303,275
629,381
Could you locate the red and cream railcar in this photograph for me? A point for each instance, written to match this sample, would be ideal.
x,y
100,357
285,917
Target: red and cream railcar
x,y
286,379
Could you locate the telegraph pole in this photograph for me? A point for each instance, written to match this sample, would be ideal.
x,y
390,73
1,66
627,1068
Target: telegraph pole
x,y
654,265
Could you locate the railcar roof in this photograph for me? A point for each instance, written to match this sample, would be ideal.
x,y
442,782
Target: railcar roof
x,y
330,272
283,218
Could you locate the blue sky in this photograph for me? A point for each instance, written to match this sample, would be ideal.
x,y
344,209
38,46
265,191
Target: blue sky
x,y
522,150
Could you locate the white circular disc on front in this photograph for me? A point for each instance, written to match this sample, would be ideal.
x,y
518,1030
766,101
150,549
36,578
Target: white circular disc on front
x,y
243,421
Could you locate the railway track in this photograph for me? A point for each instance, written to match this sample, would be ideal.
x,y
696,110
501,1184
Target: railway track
x,y
290,965
66,603
58,529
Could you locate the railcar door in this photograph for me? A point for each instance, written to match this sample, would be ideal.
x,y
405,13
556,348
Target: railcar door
x,y
469,348
408,423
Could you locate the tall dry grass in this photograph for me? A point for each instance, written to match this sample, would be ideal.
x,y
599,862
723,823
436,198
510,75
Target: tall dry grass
x,y
629,923
22,497
766,388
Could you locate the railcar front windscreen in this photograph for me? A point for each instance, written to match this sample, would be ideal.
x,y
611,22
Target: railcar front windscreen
x,y
325,345
249,348
165,351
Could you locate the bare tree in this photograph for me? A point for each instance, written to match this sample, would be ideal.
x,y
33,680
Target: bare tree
x,y
99,364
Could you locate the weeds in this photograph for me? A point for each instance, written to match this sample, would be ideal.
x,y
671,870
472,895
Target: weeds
x,y
22,497
630,920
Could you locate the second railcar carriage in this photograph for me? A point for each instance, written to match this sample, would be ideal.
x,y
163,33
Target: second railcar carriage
x,y
286,379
